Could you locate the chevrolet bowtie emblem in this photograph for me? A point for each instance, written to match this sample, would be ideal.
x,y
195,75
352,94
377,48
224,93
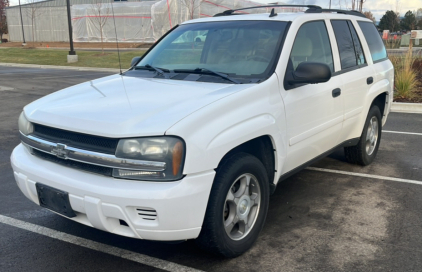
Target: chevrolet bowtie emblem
x,y
60,151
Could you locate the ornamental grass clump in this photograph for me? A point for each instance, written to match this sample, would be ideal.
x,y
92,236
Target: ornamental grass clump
x,y
405,76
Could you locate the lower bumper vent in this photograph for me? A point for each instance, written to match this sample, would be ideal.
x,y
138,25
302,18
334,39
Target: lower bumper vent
x,y
147,213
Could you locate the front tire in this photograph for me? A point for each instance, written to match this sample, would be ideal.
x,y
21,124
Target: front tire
x,y
366,150
237,207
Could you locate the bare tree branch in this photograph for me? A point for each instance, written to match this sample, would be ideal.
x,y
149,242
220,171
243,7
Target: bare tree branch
x,y
33,11
101,12
191,6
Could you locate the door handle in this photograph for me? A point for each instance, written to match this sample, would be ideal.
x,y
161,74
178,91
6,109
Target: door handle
x,y
336,92
369,80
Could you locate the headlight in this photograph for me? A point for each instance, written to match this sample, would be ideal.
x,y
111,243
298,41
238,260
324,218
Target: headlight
x,y
25,126
169,150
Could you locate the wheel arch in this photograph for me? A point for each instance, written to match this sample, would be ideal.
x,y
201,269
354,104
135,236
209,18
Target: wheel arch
x,y
381,101
262,148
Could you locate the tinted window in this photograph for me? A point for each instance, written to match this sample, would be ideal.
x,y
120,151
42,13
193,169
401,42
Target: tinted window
x,y
358,46
376,46
311,44
345,44
245,50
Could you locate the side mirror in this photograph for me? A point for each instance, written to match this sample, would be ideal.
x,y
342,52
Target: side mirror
x,y
134,61
310,72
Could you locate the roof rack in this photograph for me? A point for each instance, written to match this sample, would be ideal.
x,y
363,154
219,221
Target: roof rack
x,y
311,9
231,11
349,12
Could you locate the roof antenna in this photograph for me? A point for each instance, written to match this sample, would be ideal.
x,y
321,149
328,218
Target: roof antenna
x,y
117,42
272,14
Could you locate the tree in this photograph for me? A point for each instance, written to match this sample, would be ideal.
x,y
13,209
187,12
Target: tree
x,y
419,18
409,21
354,4
361,4
369,15
33,11
390,21
101,13
3,22
191,6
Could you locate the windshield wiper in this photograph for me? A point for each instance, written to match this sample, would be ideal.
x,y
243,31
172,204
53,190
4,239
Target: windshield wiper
x,y
158,70
208,71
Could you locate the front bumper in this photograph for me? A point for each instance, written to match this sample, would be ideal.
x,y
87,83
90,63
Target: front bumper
x,y
102,202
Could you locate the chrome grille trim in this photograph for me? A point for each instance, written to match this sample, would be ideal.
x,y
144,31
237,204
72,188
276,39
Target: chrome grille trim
x,y
89,157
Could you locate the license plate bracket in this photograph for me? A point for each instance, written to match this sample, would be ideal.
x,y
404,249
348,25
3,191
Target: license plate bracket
x,y
54,199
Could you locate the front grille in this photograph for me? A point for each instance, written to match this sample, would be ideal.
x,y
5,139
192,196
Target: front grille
x,y
101,170
75,139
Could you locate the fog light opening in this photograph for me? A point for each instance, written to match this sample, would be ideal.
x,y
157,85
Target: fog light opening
x,y
123,223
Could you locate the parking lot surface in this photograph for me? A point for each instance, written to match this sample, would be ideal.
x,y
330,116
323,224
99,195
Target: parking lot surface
x,y
332,216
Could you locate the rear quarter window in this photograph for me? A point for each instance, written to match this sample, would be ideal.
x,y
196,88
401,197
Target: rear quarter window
x,y
375,44
345,44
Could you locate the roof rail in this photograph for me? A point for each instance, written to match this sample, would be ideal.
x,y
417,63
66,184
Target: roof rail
x,y
231,11
349,12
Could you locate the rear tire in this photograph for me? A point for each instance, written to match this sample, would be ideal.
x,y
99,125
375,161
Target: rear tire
x,y
366,150
237,207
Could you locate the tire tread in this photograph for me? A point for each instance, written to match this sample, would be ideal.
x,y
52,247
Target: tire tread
x,y
357,154
209,238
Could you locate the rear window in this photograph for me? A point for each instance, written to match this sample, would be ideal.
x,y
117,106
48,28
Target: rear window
x,y
376,46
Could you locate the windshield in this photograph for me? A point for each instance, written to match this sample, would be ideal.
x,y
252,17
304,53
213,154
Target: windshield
x,y
236,51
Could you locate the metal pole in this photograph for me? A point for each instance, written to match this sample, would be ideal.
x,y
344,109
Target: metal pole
x,y
330,5
23,33
69,24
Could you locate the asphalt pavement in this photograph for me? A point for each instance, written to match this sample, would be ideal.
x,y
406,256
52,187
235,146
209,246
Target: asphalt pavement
x,y
351,218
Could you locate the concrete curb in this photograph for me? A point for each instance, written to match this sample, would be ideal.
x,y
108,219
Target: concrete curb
x,y
406,107
112,70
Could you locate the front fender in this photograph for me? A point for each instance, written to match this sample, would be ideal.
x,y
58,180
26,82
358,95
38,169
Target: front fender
x,y
214,130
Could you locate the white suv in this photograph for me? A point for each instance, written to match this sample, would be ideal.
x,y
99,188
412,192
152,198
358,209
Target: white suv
x,y
193,139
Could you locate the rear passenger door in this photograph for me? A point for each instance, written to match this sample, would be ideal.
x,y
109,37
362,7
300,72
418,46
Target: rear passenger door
x,y
355,73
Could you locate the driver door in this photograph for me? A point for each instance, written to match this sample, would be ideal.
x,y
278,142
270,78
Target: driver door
x,y
314,112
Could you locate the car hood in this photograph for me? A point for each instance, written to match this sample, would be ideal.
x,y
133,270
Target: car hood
x,y
122,106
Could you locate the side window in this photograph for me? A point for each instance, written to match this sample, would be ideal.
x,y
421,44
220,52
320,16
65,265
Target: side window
x,y
349,47
358,46
375,44
311,44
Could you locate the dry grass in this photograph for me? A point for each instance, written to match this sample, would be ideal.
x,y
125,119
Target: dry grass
x,y
405,76
392,44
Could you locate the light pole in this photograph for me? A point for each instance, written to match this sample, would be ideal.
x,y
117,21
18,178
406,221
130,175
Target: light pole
x,y
72,57
330,5
23,33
